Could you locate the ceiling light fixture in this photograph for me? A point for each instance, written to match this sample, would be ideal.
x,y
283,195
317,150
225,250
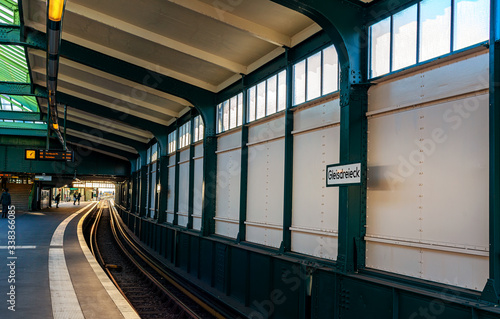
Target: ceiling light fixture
x,y
56,10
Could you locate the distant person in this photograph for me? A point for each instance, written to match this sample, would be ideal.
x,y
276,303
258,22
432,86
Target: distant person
x,y
74,199
58,198
6,201
78,198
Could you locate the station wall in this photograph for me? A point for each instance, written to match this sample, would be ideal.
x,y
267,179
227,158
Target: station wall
x,y
427,197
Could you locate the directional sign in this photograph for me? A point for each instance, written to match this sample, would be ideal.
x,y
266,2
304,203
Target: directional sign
x,y
30,154
43,178
46,155
343,175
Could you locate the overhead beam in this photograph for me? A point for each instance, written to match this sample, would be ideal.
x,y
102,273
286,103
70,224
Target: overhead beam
x,y
151,67
102,111
135,111
223,15
134,30
103,124
100,134
110,93
20,116
117,79
196,95
100,148
15,88
100,141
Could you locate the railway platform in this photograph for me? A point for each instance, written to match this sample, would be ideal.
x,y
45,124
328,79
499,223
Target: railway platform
x,y
50,273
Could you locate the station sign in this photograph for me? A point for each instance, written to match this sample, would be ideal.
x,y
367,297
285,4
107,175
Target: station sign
x,y
343,175
47,155
43,178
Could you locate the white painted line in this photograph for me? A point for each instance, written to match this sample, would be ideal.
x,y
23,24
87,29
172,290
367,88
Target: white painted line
x,y
58,236
19,247
65,304
127,311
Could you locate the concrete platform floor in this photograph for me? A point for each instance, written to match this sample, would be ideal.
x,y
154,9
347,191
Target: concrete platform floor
x,y
48,275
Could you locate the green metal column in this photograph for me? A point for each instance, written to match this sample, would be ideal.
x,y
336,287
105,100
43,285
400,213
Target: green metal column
x,y
352,199
244,168
491,292
144,191
209,178
191,175
176,183
288,164
163,179
134,192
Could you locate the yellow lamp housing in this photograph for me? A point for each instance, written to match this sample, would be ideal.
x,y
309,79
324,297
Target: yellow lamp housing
x,y
56,10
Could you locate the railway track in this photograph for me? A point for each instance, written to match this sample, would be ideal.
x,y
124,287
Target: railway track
x,y
151,291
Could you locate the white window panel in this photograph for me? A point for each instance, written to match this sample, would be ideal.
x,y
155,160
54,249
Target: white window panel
x,y
435,28
404,38
380,47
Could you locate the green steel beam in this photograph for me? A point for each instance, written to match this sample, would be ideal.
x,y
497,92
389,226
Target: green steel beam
x,y
105,135
491,291
176,182
288,162
23,132
163,177
242,233
72,140
102,111
21,116
16,88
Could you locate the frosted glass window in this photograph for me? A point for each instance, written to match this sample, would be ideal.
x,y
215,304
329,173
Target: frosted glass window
x,y
272,95
435,28
196,123
314,76
233,103
251,104
330,70
299,81
380,50
172,142
471,22
281,91
153,192
261,100
225,115
219,119
405,38
240,109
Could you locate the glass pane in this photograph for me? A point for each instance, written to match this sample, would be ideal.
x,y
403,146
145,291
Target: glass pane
x,y
188,132
232,113
219,118
251,104
405,38
330,70
299,83
271,95
225,115
281,91
202,129
240,109
471,22
196,123
435,25
261,100
314,76
380,47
